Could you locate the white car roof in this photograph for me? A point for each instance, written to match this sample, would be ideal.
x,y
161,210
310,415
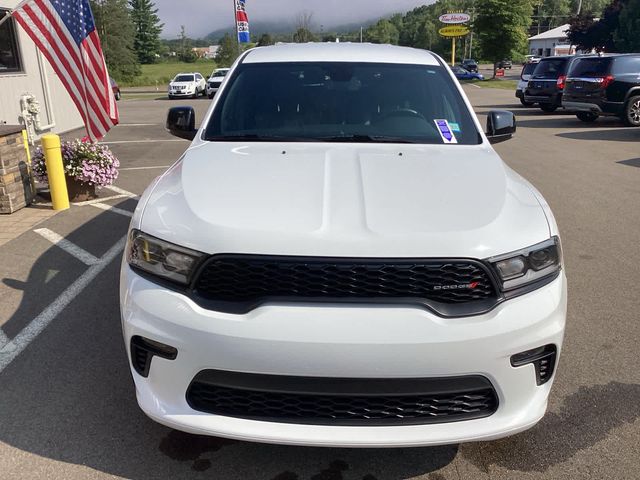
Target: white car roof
x,y
340,52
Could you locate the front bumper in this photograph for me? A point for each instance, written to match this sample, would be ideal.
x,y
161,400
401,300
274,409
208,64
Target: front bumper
x,y
344,342
183,94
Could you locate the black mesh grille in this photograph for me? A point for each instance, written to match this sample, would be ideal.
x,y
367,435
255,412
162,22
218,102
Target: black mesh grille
x,y
255,279
353,408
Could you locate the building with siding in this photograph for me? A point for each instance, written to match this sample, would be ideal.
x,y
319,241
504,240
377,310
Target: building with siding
x,y
29,88
551,43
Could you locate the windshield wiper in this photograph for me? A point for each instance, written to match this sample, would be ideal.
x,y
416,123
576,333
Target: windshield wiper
x,y
359,138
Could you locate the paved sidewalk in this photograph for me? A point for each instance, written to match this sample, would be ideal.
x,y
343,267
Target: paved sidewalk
x,y
17,223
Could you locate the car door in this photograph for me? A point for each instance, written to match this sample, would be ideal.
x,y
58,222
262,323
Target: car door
x,y
200,85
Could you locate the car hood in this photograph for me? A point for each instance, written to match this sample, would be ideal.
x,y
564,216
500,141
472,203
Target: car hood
x,y
345,200
182,84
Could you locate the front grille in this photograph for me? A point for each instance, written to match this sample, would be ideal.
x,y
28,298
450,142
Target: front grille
x,y
326,401
242,282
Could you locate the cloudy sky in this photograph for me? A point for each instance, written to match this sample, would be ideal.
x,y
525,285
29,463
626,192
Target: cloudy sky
x,y
204,16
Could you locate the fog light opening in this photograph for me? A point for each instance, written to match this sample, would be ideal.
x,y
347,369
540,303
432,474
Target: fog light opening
x,y
543,360
144,349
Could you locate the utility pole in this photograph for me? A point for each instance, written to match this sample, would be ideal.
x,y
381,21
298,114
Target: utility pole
x,y
361,33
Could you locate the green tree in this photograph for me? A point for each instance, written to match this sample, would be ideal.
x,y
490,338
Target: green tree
x,y
303,35
502,27
147,30
382,32
588,34
265,39
228,51
627,35
116,31
185,52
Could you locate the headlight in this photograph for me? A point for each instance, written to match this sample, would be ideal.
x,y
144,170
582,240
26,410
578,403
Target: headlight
x,y
161,258
528,265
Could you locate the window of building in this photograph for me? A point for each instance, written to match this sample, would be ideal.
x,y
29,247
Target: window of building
x,y
9,52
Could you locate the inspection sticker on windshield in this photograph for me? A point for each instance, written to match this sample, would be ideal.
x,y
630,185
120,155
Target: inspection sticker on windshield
x,y
445,131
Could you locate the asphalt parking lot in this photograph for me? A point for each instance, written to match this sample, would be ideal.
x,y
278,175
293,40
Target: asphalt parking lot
x,y
67,403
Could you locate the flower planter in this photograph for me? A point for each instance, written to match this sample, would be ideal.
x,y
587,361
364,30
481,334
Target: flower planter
x,y
80,191
86,166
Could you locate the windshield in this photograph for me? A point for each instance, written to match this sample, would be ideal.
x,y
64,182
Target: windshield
x,y
590,67
184,78
358,102
220,74
551,69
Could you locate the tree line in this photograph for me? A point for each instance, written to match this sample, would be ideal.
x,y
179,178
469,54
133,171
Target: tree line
x,y
129,32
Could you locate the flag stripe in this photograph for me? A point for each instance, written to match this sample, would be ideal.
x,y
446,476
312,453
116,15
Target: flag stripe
x,y
25,20
65,33
58,59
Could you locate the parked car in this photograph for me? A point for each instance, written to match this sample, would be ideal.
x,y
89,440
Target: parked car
x,y
525,75
507,64
336,263
605,85
470,64
215,80
187,85
531,58
464,74
115,88
547,82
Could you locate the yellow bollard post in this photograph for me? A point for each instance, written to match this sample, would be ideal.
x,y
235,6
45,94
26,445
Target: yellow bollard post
x,y
55,171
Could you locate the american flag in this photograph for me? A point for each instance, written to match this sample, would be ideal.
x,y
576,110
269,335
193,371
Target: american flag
x,y
65,33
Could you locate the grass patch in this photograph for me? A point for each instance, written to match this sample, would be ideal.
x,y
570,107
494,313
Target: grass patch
x,y
496,83
161,74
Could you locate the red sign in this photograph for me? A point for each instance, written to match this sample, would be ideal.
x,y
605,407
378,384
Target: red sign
x,y
500,72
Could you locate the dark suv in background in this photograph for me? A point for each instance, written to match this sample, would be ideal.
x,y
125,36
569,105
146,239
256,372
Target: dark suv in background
x,y
605,85
547,82
470,64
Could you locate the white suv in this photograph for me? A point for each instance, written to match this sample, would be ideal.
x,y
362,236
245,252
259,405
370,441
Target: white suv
x,y
187,85
335,262
215,80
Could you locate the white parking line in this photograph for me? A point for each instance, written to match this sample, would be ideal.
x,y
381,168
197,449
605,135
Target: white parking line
x,y
145,168
69,247
100,200
111,208
474,85
121,191
3,338
12,349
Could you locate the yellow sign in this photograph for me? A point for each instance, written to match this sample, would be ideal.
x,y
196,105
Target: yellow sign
x,y
454,31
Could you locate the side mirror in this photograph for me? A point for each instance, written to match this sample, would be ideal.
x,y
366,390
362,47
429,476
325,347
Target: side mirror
x,y
501,125
181,122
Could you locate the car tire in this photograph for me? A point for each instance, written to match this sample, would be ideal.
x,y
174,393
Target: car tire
x,y
525,103
587,117
548,108
631,116
117,96
210,96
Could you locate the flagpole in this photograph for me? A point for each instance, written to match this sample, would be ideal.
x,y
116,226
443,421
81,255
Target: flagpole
x,y
235,22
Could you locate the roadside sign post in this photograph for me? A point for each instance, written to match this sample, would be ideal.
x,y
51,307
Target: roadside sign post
x,y
455,28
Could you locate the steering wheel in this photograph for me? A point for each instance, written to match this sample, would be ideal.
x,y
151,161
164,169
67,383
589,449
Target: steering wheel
x,y
402,112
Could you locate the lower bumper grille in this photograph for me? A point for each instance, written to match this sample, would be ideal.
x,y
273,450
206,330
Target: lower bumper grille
x,y
342,401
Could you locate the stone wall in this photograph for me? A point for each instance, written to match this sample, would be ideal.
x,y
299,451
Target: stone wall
x,y
16,184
